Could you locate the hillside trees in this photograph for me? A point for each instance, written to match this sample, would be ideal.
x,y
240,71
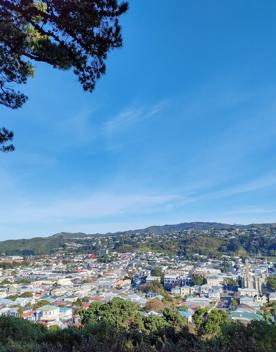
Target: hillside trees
x,y
117,312
210,324
271,282
157,335
198,280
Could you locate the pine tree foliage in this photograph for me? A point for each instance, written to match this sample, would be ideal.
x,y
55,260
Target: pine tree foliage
x,y
66,34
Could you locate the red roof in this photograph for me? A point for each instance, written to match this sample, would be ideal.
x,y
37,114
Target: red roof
x,y
28,314
96,299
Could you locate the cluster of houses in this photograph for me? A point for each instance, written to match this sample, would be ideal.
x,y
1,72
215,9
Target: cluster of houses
x,y
50,290
240,291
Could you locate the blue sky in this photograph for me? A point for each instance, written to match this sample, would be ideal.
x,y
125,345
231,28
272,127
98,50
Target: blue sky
x,y
181,128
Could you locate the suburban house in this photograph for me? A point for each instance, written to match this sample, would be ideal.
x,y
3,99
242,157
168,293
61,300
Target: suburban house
x,y
48,314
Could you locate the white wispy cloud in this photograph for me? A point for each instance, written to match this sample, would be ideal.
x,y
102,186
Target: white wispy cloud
x,y
252,210
95,206
85,126
132,115
255,185
194,192
195,195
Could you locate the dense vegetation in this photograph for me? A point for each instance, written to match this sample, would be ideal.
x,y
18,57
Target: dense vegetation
x,y
201,238
119,326
271,282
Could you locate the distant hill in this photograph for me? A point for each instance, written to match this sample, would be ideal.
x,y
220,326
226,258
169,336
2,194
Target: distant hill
x,y
200,226
62,240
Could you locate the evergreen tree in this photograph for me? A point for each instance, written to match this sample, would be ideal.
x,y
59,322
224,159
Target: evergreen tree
x,y
68,34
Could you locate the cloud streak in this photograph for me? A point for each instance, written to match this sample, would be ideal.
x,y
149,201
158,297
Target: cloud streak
x,y
91,207
131,116
258,184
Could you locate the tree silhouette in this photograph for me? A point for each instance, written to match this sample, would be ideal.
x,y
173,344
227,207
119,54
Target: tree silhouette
x,y
69,34
6,136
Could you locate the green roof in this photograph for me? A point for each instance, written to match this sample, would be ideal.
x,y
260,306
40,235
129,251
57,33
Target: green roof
x,y
245,316
45,297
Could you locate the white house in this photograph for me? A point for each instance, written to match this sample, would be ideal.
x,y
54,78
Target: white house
x,y
215,292
48,313
153,279
251,292
214,280
181,291
272,297
12,312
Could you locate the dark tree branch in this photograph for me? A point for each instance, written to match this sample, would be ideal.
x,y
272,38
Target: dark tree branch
x,y
65,34
6,136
